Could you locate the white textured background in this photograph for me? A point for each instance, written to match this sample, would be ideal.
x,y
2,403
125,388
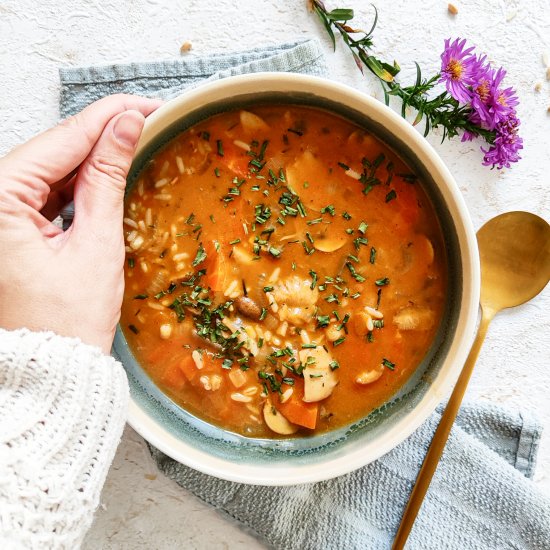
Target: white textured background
x,y
141,509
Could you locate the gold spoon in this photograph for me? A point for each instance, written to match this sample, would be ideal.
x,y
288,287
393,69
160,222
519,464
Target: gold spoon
x,y
514,250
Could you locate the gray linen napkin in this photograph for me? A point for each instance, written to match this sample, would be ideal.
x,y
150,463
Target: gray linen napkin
x,y
480,498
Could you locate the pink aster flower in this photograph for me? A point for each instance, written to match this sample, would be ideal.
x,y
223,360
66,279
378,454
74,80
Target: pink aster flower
x,y
505,149
457,69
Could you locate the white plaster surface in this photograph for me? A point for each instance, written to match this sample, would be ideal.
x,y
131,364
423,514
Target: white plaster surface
x,y
141,509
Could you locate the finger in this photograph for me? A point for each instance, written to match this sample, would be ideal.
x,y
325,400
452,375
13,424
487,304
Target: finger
x,y
63,181
101,180
48,157
57,199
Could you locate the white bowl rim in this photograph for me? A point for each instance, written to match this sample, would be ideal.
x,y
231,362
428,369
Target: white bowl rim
x,y
330,467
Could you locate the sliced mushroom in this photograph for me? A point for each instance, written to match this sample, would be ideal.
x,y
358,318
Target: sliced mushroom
x,y
277,422
252,123
248,307
369,376
319,379
308,168
329,243
414,318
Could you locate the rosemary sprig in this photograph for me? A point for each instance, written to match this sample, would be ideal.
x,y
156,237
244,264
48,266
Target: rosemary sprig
x,y
440,111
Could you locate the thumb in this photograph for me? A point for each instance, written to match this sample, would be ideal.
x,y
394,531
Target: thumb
x,y
101,179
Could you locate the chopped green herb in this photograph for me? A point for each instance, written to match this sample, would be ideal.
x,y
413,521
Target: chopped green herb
x,y
275,252
235,241
372,254
379,160
227,364
382,282
313,278
349,231
339,341
263,314
360,241
190,219
323,321
219,145
268,288
409,178
362,228
346,216
205,135
134,329
329,209
141,297
131,263
334,365
313,345
370,337
217,172
344,166
388,363
260,342
357,276
315,221
391,195
301,209
200,257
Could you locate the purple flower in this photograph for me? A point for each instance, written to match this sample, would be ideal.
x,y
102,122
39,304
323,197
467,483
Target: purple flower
x,y
490,103
457,69
505,149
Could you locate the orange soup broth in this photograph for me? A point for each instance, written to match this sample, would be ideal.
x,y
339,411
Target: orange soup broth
x,y
200,190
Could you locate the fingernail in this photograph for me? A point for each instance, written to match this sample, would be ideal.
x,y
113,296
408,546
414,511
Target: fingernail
x,y
128,127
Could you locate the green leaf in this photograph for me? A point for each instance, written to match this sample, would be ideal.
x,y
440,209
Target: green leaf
x,y
326,24
340,15
376,67
418,118
418,75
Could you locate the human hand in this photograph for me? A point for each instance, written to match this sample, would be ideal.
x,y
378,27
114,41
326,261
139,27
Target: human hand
x,y
69,282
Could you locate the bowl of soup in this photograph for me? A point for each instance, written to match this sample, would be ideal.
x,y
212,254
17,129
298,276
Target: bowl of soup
x,y
302,279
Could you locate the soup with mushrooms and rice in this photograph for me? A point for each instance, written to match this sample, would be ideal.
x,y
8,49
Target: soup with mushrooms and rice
x,y
285,271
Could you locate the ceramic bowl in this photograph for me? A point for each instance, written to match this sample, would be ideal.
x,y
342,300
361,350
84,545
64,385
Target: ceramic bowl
x,y
229,456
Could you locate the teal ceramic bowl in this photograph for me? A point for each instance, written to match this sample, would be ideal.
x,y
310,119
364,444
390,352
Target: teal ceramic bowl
x,y
229,456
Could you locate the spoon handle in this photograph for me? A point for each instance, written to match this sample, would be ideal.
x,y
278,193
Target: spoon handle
x,y
440,437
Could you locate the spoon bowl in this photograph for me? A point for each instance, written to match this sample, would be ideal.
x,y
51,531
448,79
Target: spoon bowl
x,y
514,252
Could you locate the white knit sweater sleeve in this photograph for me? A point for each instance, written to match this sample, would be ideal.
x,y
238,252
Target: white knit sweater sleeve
x,y
63,406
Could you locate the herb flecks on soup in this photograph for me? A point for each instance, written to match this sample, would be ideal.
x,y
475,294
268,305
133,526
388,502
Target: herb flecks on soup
x,y
285,271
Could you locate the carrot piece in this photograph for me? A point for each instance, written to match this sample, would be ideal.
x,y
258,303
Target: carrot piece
x,y
297,411
234,158
173,377
217,273
188,367
405,204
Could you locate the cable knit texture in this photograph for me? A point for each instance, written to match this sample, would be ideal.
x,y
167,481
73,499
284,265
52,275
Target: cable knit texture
x,y
63,406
